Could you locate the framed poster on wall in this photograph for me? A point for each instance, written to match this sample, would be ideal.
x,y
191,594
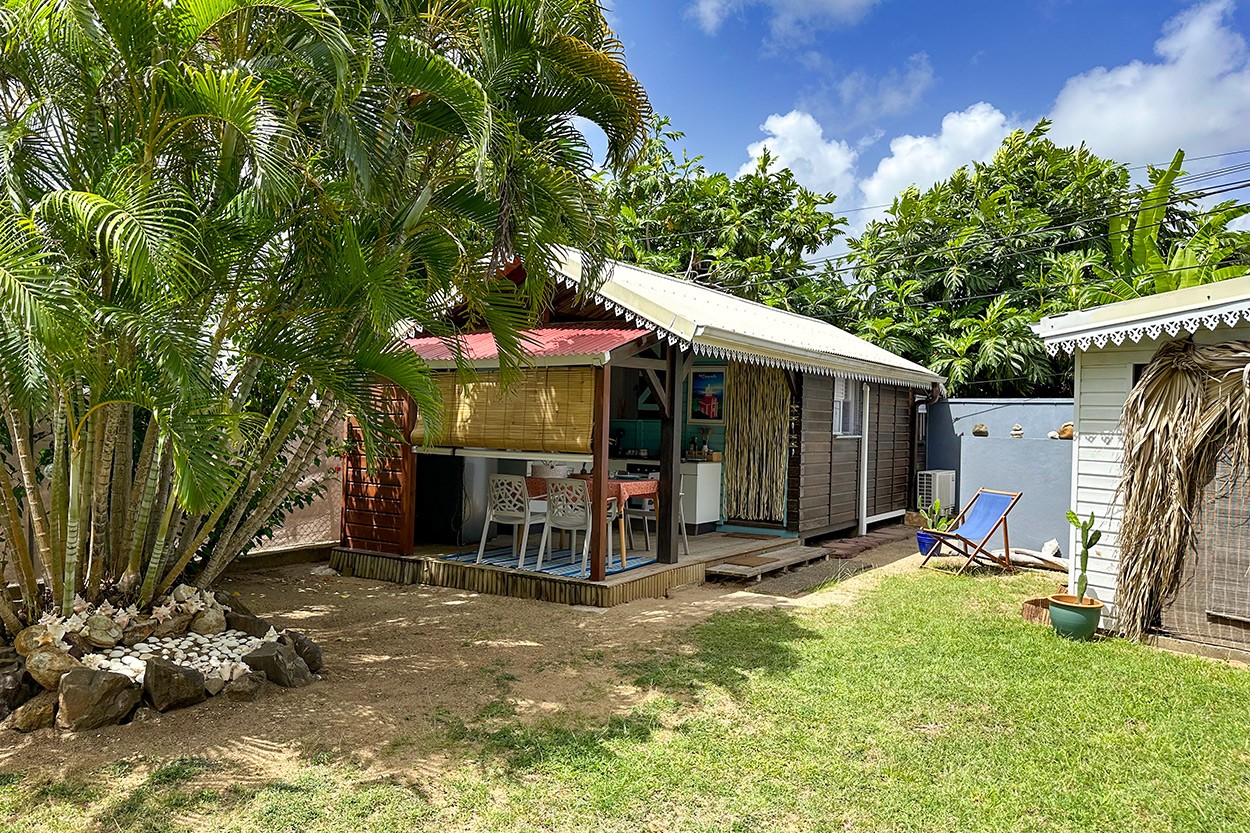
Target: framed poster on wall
x,y
707,396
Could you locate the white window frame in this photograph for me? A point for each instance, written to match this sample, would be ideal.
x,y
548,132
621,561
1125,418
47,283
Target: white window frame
x,y
848,401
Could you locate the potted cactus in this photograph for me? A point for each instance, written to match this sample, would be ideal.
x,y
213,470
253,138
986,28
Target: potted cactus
x,y
1076,616
934,521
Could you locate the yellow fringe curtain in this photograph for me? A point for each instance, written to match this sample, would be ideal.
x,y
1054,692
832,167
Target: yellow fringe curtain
x,y
757,428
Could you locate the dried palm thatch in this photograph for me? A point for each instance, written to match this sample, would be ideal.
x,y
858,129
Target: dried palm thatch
x,y
1191,406
756,442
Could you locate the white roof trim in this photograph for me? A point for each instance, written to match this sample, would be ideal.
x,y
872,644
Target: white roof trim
x,y
719,325
1207,307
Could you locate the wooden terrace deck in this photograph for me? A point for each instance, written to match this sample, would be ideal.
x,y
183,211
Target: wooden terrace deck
x,y
429,565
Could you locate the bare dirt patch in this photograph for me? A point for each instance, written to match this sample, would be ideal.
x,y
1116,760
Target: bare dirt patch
x,y
402,663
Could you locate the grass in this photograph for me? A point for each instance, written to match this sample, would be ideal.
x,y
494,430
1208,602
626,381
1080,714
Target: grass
x,y
929,705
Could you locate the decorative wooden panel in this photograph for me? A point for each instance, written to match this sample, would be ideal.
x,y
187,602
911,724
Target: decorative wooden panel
x,y
377,503
546,409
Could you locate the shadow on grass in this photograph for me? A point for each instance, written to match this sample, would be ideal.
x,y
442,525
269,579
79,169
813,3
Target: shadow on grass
x,y
728,650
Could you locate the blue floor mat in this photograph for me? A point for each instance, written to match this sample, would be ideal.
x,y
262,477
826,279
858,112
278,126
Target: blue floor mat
x,y
557,562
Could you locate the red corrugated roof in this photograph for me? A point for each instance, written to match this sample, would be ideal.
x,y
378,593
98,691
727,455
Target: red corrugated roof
x,y
541,342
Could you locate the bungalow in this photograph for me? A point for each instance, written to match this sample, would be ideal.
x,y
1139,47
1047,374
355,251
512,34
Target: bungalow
x,y
764,424
1112,346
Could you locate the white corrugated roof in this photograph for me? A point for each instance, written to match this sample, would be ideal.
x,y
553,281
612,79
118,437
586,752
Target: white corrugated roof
x,y
717,324
1225,303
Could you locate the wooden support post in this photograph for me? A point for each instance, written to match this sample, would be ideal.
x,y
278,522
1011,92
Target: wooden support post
x,y
667,535
408,474
599,477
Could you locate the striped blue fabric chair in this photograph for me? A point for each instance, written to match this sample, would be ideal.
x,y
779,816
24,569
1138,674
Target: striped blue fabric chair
x,y
973,528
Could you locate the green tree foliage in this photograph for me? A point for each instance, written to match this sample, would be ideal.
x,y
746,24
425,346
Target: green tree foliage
x,y
954,276
219,215
750,235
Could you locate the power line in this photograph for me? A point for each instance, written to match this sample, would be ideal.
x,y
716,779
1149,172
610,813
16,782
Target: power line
x,y
1020,235
1180,197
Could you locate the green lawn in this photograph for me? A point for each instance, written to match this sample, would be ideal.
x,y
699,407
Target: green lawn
x,y
929,705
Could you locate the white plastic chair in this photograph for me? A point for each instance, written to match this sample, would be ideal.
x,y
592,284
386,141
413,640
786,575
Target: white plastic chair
x,y
569,509
647,512
510,504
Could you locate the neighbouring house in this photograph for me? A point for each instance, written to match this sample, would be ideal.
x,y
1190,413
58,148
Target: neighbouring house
x,y
1034,465
768,425
1112,345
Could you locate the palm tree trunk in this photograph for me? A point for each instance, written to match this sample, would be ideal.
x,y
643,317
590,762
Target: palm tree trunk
x,y
58,492
19,431
119,493
74,525
143,514
14,529
229,547
106,437
158,554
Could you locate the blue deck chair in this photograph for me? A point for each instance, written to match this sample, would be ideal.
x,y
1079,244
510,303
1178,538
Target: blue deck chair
x,y
974,526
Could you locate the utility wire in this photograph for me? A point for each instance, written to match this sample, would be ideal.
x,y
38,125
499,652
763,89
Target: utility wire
x,y
973,262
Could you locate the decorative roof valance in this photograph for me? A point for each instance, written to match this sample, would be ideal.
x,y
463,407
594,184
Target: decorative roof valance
x,y
1185,311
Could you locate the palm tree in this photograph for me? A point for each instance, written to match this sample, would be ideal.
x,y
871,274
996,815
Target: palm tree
x,y
219,216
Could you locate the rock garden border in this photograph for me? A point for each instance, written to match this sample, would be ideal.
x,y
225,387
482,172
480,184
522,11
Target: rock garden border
x,y
97,666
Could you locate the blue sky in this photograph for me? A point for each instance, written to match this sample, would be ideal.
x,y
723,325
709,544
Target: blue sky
x,y
863,97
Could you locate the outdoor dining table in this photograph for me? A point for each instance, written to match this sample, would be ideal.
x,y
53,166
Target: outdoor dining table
x,y
621,488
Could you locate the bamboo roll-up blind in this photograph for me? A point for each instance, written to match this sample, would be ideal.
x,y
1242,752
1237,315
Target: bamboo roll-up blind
x,y
757,424
547,409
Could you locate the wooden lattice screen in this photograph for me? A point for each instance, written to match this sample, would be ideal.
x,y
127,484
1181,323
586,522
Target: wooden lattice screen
x,y
547,409
757,425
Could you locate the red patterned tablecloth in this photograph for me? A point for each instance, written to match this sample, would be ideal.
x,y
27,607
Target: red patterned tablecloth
x,y
622,490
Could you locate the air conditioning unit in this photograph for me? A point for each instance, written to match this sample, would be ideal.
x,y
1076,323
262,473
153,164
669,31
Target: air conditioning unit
x,y
939,485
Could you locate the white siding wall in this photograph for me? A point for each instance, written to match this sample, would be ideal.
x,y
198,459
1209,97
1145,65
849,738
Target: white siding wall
x,y
1103,380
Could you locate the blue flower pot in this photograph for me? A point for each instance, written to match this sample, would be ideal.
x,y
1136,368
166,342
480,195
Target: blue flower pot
x,y
926,542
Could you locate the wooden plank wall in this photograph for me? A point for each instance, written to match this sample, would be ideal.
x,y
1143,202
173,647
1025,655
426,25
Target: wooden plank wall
x,y
889,448
378,511
828,469
816,443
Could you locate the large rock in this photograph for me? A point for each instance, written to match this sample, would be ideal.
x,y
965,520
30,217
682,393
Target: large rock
x,y
175,625
213,684
209,621
16,686
91,699
170,686
29,639
138,630
280,664
246,688
36,713
47,664
101,631
309,651
246,622
232,602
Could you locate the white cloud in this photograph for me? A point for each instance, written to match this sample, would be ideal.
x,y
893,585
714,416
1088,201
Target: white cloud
x,y
796,141
861,99
788,19
1197,96
966,136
